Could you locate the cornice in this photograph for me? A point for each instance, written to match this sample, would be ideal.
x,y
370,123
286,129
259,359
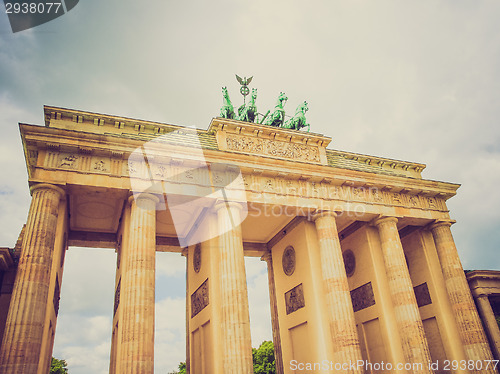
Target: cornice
x,y
55,114
268,132
63,141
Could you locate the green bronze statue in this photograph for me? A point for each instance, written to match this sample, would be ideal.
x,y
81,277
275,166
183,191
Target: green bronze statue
x,y
227,110
298,121
244,90
248,112
277,118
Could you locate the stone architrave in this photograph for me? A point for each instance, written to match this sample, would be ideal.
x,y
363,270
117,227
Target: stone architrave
x,y
338,298
138,289
414,342
22,340
469,325
237,345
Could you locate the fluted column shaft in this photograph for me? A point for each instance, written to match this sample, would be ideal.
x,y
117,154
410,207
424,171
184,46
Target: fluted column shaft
x,y
469,325
338,298
414,343
490,322
138,289
278,357
23,334
234,296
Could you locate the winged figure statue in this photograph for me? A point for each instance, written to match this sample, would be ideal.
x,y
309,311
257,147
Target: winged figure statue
x,y
244,81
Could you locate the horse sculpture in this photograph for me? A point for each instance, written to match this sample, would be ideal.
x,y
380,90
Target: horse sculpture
x,y
298,121
227,110
278,117
248,112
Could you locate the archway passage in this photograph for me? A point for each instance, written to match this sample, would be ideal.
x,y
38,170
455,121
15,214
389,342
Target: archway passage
x,y
84,325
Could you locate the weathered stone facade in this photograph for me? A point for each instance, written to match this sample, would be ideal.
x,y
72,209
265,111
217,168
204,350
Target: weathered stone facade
x,y
361,261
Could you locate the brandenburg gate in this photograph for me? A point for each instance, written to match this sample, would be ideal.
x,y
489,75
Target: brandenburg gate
x,y
363,270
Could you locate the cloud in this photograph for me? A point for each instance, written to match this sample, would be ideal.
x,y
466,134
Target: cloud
x,y
170,265
14,193
170,334
258,300
84,342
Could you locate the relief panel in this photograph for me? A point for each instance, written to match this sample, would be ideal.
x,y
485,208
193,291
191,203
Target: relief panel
x,y
275,148
422,294
199,299
362,297
294,299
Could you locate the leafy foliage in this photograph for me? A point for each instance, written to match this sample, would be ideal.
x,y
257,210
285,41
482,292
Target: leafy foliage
x,y
58,366
182,369
263,359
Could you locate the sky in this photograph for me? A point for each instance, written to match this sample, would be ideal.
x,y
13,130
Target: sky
x,y
415,81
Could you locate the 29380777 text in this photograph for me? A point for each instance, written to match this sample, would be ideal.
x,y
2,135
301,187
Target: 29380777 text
x,y
32,8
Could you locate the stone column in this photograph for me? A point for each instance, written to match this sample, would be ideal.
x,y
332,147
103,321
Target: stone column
x,y
338,298
274,314
22,338
237,346
469,325
411,328
188,315
490,322
137,295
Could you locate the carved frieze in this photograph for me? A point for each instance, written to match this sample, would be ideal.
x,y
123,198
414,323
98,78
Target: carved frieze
x,y
100,165
413,201
294,299
199,299
33,155
257,184
274,148
68,161
362,297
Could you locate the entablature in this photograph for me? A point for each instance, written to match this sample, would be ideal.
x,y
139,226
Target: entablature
x,y
274,163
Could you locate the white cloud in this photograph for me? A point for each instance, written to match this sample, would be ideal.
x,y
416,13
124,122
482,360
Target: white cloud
x,y
170,265
170,334
258,300
84,343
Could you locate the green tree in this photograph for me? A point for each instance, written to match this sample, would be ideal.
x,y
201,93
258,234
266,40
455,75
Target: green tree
x,y
263,359
182,369
58,366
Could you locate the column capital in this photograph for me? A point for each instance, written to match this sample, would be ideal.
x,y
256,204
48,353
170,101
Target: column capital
x,y
380,220
227,204
144,195
482,295
323,213
442,222
49,186
267,257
